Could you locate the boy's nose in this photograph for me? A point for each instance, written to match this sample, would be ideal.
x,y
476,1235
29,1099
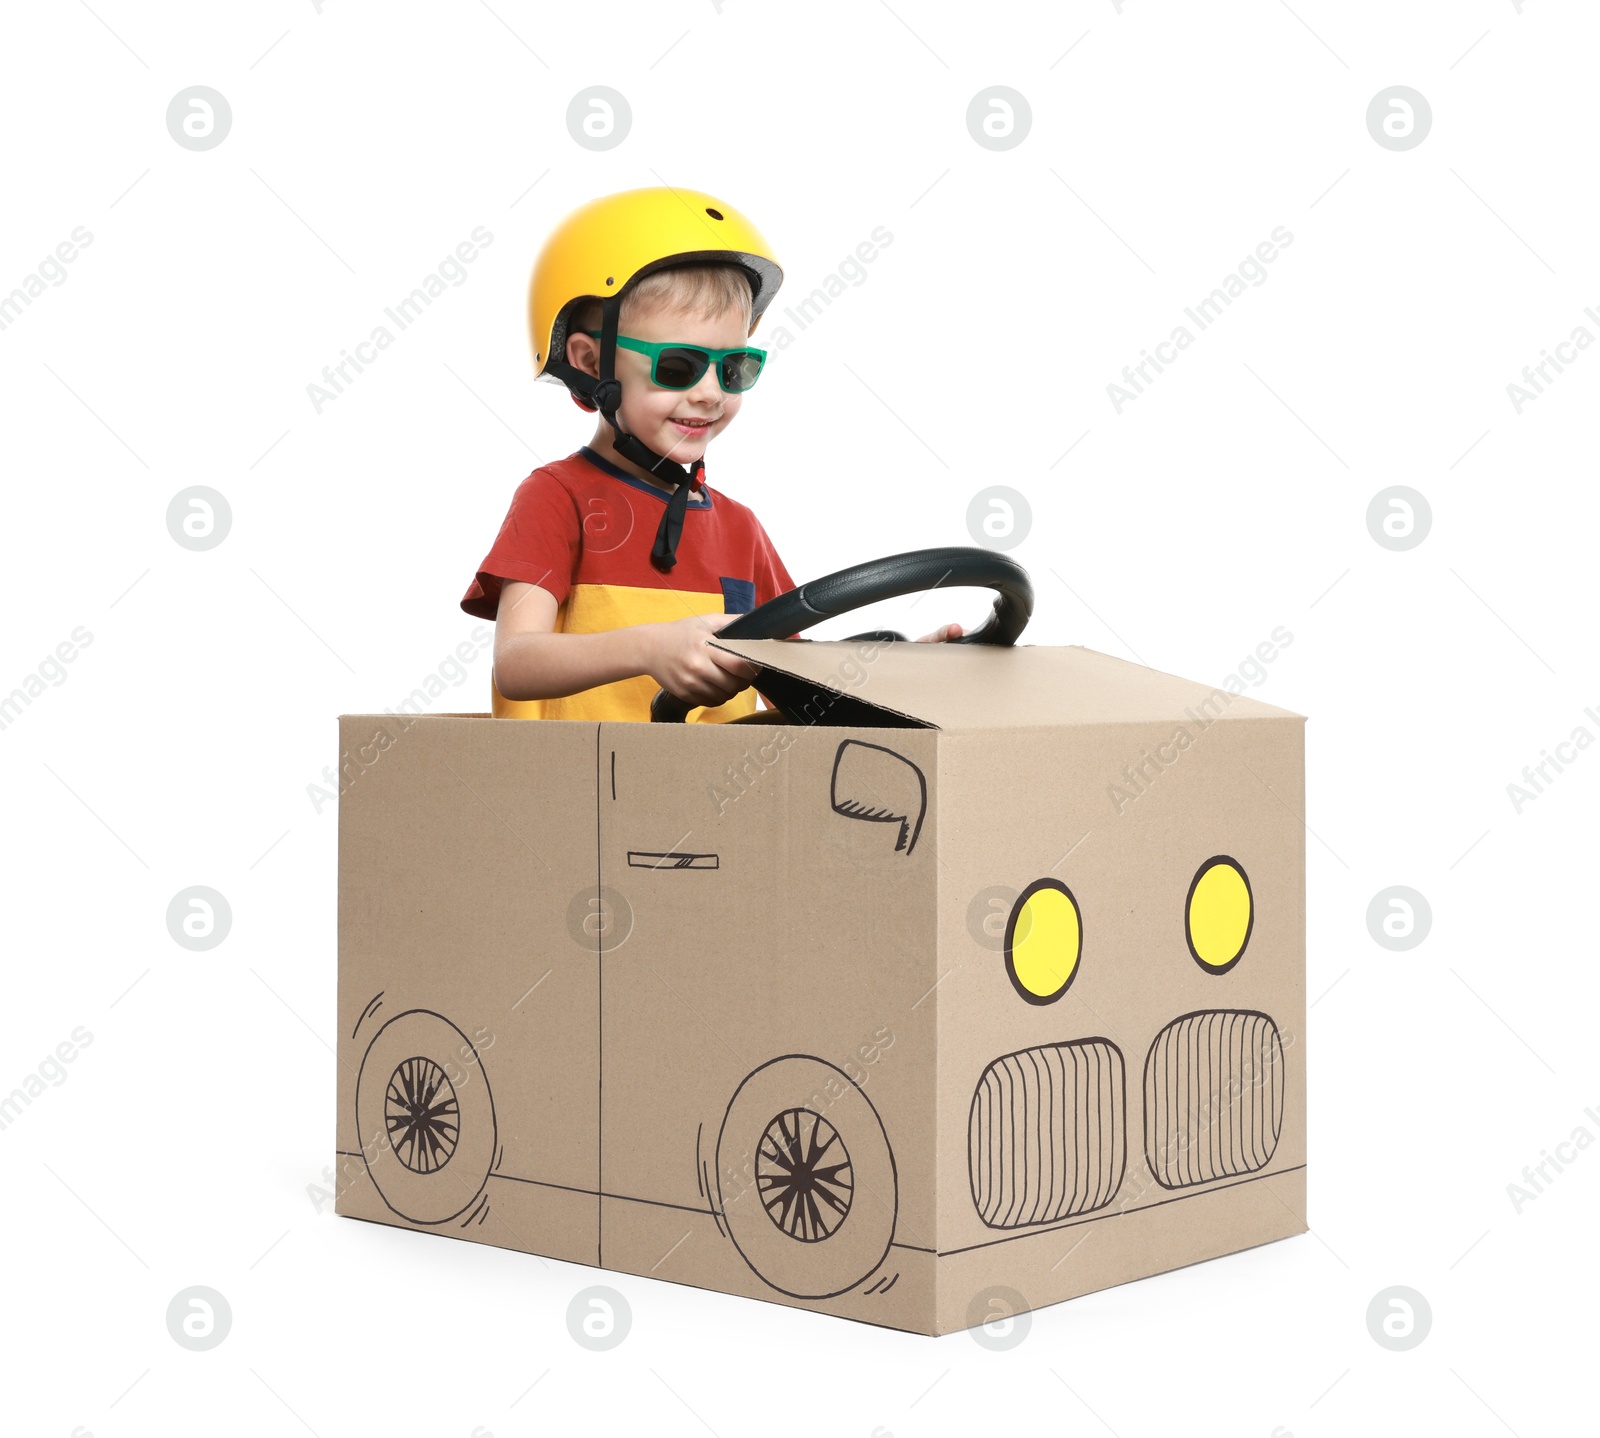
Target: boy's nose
x,y
706,389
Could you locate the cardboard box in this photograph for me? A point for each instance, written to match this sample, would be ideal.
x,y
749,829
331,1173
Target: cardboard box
x,y
983,989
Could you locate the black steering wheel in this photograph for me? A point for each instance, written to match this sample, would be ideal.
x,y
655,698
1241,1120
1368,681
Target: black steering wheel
x,y
863,584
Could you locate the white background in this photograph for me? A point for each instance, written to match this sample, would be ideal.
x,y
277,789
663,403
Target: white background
x,y
187,1142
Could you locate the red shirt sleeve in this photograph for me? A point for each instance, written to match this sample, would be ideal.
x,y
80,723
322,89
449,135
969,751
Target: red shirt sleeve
x,y
538,544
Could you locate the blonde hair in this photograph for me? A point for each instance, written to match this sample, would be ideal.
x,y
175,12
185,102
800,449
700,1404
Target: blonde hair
x,y
705,291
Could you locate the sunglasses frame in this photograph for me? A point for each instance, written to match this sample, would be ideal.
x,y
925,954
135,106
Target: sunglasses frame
x,y
714,358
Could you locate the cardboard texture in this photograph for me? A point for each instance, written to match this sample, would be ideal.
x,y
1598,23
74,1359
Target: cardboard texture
x,y
981,989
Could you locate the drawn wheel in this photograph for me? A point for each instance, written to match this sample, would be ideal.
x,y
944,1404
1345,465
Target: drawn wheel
x,y
425,1117
806,1178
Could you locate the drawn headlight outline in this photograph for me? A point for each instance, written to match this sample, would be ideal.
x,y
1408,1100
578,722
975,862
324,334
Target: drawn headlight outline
x,y
1038,949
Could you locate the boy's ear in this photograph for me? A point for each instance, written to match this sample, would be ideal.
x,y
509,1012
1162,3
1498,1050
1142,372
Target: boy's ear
x,y
584,353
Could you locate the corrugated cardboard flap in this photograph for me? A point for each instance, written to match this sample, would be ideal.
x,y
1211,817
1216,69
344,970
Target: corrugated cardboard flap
x,y
975,686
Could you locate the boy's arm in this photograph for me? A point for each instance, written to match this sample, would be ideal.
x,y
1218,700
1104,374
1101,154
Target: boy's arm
x,y
533,662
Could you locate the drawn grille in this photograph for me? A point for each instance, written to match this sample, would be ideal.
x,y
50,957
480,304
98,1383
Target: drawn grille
x,y
1213,1097
1047,1135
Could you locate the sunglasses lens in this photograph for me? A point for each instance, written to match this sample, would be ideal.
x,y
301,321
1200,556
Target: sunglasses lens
x,y
680,368
740,371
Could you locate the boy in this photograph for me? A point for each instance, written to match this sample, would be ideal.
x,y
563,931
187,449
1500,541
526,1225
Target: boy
x,y
614,565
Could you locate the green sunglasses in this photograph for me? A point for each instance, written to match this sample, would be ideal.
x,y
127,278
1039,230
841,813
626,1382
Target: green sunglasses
x,y
675,366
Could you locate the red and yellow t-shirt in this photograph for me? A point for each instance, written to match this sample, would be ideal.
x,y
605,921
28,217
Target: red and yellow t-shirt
x,y
582,528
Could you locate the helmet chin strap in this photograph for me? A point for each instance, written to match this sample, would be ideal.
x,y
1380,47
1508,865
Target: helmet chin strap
x,y
606,395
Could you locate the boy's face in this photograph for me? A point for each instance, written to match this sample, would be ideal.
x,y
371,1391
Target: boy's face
x,y
678,423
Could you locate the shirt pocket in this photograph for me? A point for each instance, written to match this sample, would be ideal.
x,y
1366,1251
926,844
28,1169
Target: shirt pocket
x,y
738,595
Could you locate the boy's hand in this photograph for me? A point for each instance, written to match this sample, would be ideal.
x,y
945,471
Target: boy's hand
x,y
682,663
939,635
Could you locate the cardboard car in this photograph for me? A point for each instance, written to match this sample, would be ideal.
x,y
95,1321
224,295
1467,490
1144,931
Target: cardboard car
x,y
969,979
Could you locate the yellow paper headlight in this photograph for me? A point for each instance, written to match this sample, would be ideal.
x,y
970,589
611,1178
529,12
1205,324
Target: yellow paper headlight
x,y
1220,914
1044,940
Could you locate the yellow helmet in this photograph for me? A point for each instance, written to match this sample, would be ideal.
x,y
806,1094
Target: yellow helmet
x,y
606,243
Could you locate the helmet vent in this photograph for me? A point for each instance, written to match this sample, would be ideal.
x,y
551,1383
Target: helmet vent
x,y
715,214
